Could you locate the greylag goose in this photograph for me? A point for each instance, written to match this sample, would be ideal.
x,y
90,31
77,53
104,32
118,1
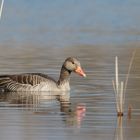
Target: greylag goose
x,y
42,82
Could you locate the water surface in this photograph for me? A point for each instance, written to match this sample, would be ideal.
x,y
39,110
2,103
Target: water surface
x,y
86,112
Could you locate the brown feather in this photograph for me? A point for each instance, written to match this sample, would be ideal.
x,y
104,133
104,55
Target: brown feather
x,y
27,78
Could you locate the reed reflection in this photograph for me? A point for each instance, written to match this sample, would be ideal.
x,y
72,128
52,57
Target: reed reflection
x,y
119,134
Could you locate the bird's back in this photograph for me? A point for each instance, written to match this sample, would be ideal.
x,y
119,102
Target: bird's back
x,y
26,82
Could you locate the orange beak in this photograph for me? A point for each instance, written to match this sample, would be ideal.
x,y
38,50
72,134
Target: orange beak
x,y
80,71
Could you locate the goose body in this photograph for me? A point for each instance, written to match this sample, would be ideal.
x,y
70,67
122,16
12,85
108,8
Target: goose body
x,y
41,82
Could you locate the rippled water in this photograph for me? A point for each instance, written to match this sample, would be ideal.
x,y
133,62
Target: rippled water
x,y
87,112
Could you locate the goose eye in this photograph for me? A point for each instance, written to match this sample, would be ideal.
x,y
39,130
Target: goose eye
x,y
72,62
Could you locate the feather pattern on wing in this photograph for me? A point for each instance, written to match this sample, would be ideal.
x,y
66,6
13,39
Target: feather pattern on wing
x,y
27,78
25,82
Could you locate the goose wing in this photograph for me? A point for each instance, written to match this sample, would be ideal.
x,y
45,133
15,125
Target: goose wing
x,y
26,78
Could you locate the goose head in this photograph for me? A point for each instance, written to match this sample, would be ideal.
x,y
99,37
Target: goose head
x,y
73,65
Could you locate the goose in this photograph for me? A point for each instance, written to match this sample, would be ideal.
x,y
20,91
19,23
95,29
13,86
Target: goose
x,y
41,82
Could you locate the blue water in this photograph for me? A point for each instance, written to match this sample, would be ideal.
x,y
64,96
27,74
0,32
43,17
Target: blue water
x,y
69,23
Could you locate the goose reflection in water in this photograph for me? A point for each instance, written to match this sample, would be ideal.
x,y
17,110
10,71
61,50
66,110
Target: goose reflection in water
x,y
44,103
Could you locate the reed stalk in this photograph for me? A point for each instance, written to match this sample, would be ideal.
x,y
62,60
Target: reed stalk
x,y
117,75
120,87
1,8
129,69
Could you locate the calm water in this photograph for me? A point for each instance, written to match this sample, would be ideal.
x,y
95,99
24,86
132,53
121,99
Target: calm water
x,y
87,112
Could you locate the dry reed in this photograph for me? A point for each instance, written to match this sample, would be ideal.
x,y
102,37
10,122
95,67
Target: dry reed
x,y
120,86
1,8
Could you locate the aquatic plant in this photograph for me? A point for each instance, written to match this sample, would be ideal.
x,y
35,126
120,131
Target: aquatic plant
x,y
1,8
120,86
